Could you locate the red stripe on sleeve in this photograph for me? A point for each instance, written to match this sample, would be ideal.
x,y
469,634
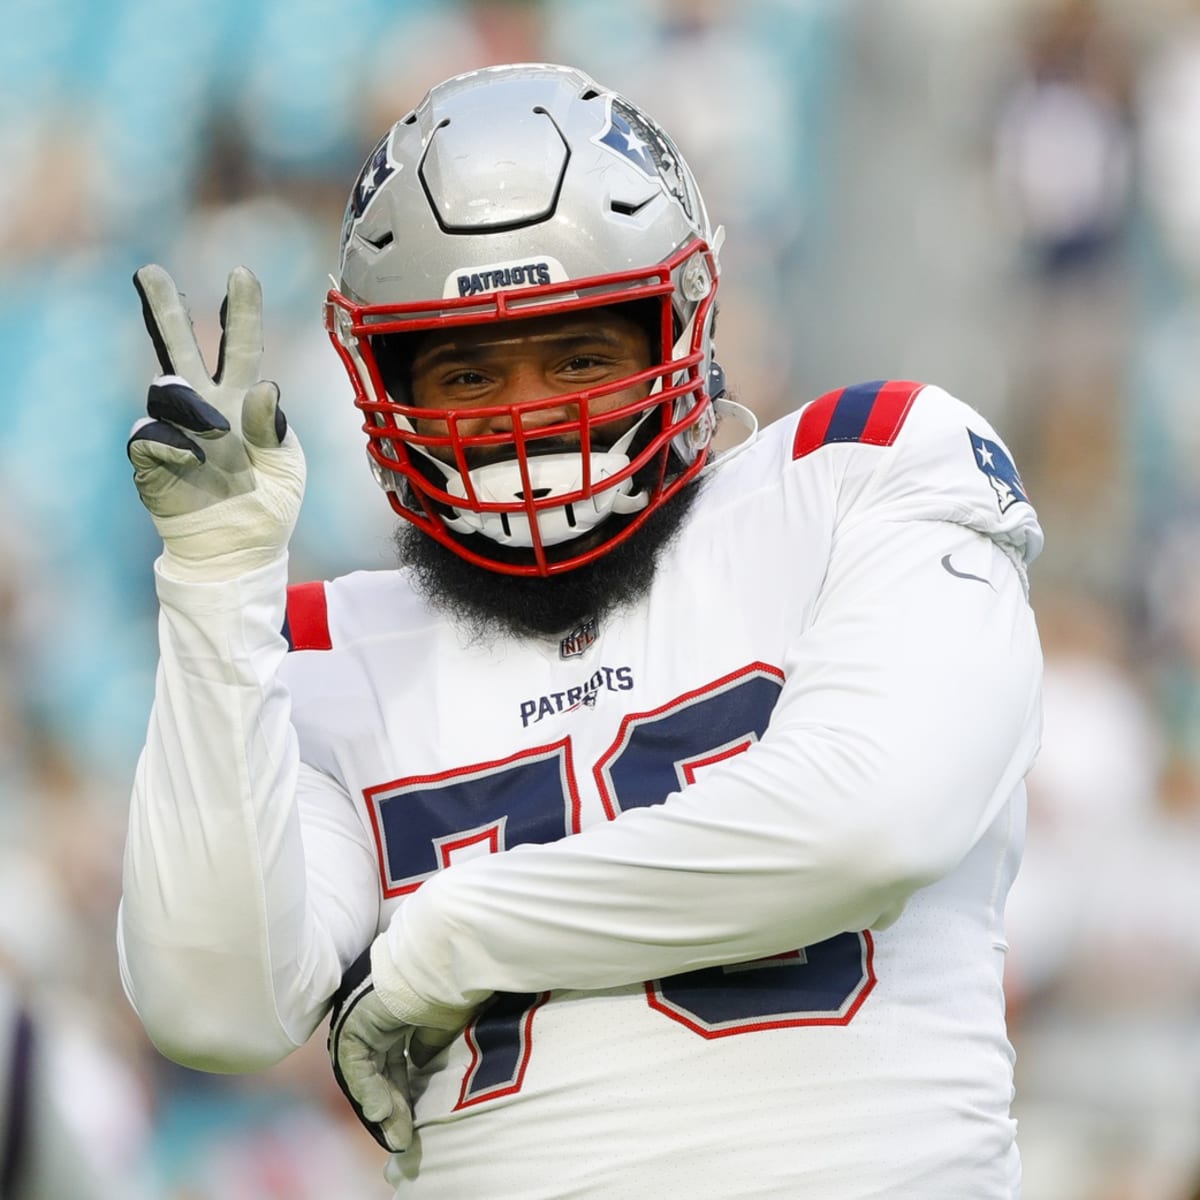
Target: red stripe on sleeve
x,y
308,617
888,412
814,423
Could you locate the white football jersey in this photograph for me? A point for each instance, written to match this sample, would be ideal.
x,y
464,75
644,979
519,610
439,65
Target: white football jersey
x,y
726,869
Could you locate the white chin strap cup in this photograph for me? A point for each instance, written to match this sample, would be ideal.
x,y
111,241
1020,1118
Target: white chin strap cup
x,y
549,475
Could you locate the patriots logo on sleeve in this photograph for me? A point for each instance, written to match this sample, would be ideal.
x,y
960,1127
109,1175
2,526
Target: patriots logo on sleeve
x,y
1001,472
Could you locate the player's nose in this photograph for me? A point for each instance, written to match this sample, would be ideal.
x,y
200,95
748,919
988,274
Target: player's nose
x,y
532,401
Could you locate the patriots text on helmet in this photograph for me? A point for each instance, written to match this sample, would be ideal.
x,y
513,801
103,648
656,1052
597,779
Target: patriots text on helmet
x,y
472,283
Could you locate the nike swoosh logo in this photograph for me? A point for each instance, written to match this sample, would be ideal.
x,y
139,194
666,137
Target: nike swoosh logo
x,y
963,574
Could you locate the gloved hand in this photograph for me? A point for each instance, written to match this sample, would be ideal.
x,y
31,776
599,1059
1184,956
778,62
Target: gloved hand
x,y
214,461
371,1047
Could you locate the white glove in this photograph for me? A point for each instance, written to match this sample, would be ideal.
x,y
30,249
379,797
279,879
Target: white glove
x,y
214,462
371,1047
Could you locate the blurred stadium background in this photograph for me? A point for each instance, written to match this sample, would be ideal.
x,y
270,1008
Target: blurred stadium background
x,y
1000,196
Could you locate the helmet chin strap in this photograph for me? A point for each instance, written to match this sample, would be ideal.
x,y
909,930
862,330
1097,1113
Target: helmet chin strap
x,y
549,475
724,409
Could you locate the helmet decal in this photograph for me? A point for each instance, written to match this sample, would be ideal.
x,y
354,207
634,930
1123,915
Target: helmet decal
x,y
378,168
632,135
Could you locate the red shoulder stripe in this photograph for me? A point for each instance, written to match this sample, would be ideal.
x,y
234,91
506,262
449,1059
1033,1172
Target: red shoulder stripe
x,y
306,625
867,412
814,423
891,407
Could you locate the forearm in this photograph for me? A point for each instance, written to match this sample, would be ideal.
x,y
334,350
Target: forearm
x,y
753,861
213,918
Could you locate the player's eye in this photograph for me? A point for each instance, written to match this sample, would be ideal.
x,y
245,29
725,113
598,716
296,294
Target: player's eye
x,y
463,378
586,362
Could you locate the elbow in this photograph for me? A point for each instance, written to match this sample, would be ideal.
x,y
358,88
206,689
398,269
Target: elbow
x,y
217,1049
905,865
224,1041
205,1020
882,866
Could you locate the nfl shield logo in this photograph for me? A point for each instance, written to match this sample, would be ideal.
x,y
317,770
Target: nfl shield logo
x,y
579,639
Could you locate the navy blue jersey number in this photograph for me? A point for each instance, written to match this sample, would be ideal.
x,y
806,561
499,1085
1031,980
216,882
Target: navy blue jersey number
x,y
421,823
424,822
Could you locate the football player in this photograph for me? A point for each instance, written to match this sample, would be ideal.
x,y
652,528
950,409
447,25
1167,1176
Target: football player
x,y
647,829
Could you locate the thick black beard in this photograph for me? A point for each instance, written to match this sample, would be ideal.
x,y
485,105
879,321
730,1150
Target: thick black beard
x,y
487,604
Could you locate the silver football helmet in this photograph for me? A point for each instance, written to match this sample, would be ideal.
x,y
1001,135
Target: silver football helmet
x,y
511,193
